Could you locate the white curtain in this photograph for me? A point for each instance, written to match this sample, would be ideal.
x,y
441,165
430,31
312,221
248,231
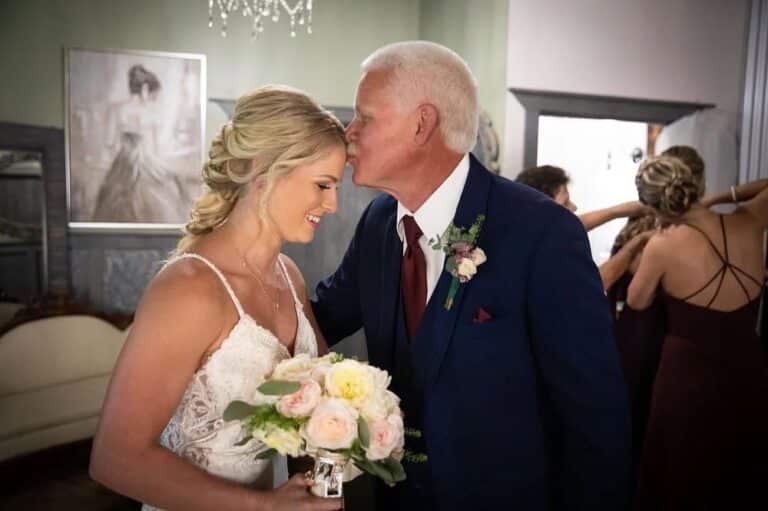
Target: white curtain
x,y
754,128
713,134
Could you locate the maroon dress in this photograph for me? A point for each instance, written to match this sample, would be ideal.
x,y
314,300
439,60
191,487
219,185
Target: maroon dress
x,y
706,446
639,335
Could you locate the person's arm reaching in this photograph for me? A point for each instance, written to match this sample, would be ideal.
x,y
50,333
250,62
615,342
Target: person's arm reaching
x,y
612,269
599,217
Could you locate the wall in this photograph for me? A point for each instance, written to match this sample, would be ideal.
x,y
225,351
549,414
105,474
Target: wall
x,y
678,50
476,30
326,64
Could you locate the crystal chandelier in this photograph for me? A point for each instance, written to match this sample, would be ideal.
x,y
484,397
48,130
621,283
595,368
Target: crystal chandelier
x,y
258,10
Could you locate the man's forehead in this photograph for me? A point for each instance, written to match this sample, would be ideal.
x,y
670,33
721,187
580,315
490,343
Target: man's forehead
x,y
371,88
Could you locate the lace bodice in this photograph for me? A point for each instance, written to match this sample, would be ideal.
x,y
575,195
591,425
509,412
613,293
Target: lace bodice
x,y
246,357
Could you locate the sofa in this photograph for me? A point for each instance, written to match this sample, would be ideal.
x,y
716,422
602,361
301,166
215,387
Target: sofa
x,y
54,373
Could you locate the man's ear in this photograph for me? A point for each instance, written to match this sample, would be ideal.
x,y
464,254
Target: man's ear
x,y
427,118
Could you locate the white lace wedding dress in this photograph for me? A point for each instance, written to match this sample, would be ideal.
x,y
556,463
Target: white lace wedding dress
x,y
246,357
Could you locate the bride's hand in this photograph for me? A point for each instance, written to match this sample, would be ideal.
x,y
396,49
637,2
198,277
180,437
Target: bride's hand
x,y
294,495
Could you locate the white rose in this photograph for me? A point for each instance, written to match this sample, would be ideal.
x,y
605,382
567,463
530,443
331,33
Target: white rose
x,y
297,368
381,405
478,256
333,425
386,436
283,441
302,402
466,268
320,370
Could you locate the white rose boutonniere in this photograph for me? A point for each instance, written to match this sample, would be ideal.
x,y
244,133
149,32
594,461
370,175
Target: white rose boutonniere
x,y
462,255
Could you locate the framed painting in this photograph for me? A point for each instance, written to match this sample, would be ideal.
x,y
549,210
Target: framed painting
x,y
134,129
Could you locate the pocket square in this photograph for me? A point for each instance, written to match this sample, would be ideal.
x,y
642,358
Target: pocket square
x,y
481,316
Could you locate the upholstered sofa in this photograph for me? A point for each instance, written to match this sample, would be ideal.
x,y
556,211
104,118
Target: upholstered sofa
x,y
54,373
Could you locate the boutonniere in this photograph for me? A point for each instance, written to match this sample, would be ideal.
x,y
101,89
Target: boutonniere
x,y
462,256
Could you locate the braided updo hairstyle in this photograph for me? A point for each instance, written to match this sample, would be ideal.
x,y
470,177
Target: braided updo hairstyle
x,y
273,130
667,185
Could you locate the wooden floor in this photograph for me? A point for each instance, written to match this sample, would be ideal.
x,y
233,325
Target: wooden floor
x,y
56,479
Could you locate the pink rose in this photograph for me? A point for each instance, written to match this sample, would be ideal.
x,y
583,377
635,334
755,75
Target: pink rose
x,y
333,425
386,436
302,402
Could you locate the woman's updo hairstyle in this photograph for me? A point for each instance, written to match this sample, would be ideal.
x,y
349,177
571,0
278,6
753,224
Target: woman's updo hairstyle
x,y
273,130
667,185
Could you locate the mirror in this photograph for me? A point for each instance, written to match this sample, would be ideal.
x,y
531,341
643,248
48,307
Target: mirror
x,y
21,226
33,198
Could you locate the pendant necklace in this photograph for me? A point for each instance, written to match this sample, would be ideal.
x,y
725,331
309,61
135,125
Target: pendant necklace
x,y
258,278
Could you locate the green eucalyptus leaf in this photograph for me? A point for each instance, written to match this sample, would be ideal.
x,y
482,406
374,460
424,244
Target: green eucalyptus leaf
x,y
279,387
375,469
238,410
265,455
395,468
412,432
362,432
244,441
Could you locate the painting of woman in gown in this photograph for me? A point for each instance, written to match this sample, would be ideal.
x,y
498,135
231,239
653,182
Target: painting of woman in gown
x,y
134,154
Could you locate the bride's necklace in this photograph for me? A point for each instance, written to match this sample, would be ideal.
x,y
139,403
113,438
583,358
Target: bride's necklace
x,y
257,276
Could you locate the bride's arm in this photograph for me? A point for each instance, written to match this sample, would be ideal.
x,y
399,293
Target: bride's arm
x,y
301,290
176,322
181,316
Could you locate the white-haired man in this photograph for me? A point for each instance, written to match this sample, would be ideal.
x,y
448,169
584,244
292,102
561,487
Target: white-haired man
x,y
510,373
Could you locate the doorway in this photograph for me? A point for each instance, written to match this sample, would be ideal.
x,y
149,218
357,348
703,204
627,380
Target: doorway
x,y
601,157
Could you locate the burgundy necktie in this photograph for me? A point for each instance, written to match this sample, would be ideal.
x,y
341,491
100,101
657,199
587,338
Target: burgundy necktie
x,y
414,277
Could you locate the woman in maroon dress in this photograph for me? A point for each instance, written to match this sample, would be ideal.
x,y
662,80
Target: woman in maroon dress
x,y
706,444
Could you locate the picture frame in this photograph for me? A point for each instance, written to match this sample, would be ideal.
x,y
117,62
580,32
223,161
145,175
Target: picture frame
x,y
135,135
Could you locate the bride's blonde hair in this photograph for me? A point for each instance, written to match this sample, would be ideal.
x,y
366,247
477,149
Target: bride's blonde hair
x,y
273,130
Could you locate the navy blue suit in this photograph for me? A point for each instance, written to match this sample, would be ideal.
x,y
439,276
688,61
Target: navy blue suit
x,y
524,411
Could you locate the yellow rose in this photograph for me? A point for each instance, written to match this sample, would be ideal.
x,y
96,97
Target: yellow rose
x,y
282,440
353,381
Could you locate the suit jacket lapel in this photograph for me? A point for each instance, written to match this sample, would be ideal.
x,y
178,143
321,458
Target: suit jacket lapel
x,y
391,256
437,326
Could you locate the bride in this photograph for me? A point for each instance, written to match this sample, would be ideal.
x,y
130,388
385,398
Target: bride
x,y
221,314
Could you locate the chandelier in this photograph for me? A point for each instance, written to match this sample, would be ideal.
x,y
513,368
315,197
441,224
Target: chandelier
x,y
259,10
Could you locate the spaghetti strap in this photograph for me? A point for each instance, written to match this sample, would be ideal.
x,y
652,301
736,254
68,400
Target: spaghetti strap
x,y
724,269
725,239
711,243
191,255
290,282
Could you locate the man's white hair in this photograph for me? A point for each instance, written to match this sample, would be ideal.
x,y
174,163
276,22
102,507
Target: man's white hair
x,y
425,72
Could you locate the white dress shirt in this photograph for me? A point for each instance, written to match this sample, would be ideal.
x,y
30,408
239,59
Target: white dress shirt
x,y
433,218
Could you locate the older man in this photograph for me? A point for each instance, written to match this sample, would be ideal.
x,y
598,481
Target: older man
x,y
510,373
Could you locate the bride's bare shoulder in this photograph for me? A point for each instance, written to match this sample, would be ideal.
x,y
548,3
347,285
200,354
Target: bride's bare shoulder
x,y
187,284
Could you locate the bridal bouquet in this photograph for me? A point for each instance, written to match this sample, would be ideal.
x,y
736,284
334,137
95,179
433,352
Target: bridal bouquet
x,y
330,408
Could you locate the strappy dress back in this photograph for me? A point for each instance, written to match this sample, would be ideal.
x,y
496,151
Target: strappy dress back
x,y
245,358
706,441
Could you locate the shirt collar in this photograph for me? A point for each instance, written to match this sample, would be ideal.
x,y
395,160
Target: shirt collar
x,y
437,212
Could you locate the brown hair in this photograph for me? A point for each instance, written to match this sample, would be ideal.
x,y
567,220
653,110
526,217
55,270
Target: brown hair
x,y
546,179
